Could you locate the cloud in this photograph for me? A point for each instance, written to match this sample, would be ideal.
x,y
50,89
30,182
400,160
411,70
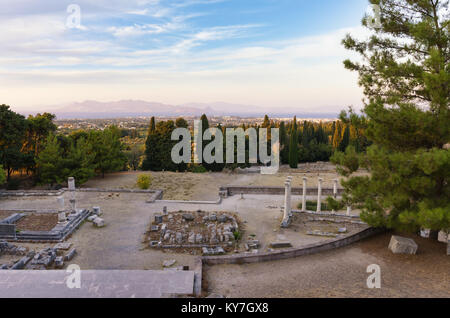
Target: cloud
x,y
157,50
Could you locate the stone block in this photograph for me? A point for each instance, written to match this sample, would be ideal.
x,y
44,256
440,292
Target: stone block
x,y
158,219
59,262
188,217
169,263
8,229
97,211
63,246
222,218
448,247
99,222
402,245
281,244
70,255
443,237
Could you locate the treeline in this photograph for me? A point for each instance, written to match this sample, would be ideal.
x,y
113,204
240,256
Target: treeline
x,y
299,142
31,145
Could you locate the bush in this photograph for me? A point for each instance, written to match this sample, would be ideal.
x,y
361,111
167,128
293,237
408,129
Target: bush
x,y
197,169
144,181
312,206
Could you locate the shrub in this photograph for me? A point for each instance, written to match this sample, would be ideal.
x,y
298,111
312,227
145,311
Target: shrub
x,y
197,169
237,235
312,206
144,181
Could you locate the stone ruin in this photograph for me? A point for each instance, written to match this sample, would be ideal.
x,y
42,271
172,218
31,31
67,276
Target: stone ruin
x,y
213,232
47,258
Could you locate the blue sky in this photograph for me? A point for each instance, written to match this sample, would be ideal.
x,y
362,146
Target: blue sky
x,y
268,53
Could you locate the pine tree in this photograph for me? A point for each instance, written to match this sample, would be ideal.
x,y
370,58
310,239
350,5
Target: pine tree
x,y
405,75
50,162
152,127
2,175
293,146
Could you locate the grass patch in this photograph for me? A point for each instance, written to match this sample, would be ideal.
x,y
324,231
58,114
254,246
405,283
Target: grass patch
x,y
312,206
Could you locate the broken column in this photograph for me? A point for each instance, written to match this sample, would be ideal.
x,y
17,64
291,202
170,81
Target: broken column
x,y
335,186
287,204
304,194
62,218
71,186
319,195
349,210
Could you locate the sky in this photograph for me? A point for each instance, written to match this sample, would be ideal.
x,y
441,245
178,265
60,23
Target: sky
x,y
269,53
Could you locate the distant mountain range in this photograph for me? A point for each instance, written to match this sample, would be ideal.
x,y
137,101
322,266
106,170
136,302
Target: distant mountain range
x,y
91,109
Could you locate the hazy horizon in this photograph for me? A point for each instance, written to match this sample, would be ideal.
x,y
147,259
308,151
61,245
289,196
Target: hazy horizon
x,y
274,56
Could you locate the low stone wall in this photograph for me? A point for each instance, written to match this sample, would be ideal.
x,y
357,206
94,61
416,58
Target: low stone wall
x,y
237,190
219,201
155,194
293,252
30,193
57,234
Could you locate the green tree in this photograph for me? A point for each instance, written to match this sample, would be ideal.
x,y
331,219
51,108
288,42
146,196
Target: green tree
x,y
152,127
107,148
293,146
39,127
405,75
2,175
79,162
50,163
134,156
158,148
345,139
12,133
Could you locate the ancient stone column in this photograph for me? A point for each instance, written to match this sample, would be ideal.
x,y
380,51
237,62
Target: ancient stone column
x,y
71,184
61,213
335,186
71,187
304,194
349,210
287,204
319,195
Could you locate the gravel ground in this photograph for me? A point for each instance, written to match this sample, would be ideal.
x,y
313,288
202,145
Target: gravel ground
x,y
340,273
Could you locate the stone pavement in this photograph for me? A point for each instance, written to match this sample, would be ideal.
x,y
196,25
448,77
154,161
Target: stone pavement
x,y
96,284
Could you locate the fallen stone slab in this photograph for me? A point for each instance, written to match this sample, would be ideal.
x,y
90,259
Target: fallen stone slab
x,y
213,251
188,217
70,255
99,222
63,246
280,244
402,245
169,263
91,218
